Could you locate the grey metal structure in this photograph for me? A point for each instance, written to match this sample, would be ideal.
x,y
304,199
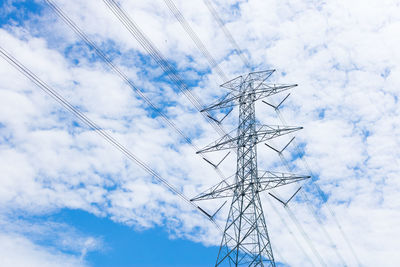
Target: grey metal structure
x,y
245,241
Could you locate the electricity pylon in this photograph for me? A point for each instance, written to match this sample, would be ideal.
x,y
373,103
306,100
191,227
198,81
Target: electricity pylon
x,y
245,240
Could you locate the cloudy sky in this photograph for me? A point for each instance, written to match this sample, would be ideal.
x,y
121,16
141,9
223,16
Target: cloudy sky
x,y
69,198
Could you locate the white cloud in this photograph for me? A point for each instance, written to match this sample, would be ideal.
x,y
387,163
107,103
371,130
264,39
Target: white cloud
x,y
343,55
26,242
19,251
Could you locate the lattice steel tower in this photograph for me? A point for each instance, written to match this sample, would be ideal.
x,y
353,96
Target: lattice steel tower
x,y
245,241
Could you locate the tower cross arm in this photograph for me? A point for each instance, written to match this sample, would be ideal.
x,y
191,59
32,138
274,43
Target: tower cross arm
x,y
266,180
269,180
255,78
263,90
245,241
227,101
221,190
263,133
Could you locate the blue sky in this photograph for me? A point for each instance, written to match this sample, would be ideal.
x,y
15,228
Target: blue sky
x,y
123,245
67,198
128,247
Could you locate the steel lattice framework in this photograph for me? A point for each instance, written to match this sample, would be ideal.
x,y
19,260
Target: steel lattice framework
x,y
245,240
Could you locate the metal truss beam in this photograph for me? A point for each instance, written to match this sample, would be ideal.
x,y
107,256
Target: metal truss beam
x,y
263,133
264,90
245,241
266,180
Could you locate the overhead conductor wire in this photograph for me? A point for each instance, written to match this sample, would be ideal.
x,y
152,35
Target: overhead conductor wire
x,y
125,78
57,97
236,47
177,81
228,35
302,231
290,231
311,210
212,62
171,72
321,194
197,41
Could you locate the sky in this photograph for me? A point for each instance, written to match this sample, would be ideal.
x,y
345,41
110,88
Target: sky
x,y
69,198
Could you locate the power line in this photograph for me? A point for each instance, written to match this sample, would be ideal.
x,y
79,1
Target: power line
x,y
301,230
245,240
321,195
127,22
303,233
308,204
178,15
230,38
168,69
290,231
306,237
228,35
124,77
192,34
82,117
213,63
103,56
195,42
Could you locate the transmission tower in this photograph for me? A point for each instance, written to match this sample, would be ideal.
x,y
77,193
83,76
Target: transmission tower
x,y
245,240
